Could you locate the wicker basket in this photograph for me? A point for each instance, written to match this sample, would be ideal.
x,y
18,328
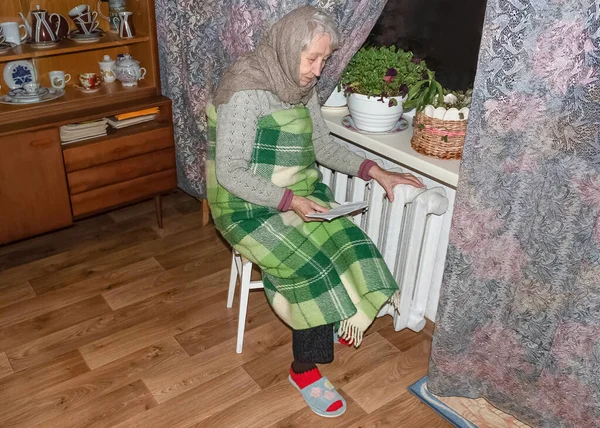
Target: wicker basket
x,y
442,139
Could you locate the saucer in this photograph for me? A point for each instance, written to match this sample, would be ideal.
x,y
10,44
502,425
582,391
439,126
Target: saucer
x,y
6,47
78,34
87,91
334,108
92,37
400,126
50,95
85,39
21,94
43,45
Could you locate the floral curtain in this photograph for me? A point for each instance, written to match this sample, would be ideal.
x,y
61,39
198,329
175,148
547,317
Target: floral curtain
x,y
519,317
198,40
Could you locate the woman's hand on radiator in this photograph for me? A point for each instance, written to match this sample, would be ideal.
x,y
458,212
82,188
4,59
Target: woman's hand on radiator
x,y
303,206
388,180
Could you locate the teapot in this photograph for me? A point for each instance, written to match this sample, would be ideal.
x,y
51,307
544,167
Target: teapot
x,y
128,70
41,27
26,24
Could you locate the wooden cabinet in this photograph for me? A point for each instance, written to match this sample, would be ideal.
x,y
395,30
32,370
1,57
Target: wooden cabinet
x,y
33,187
76,58
45,185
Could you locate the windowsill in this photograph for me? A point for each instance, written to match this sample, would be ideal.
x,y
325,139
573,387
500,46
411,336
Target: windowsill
x,y
395,147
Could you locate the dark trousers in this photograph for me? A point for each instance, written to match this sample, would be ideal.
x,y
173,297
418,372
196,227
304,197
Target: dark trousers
x,y
313,345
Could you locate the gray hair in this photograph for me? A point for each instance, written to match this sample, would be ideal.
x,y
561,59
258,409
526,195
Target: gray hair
x,y
319,24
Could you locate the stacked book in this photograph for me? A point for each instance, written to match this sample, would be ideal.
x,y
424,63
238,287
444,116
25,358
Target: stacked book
x,y
132,118
82,131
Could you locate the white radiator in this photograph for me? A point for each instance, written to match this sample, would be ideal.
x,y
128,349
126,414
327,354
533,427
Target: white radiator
x,y
406,232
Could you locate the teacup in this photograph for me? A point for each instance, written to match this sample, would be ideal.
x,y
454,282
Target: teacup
x,y
85,27
83,10
58,79
12,32
31,87
2,37
84,19
90,80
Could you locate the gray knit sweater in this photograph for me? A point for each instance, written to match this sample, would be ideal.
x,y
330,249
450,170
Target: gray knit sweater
x,y
236,132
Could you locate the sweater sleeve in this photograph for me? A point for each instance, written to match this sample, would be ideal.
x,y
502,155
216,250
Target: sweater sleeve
x,y
237,123
330,154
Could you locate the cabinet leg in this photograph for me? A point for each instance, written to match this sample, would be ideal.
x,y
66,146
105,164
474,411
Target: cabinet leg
x,y
205,212
158,207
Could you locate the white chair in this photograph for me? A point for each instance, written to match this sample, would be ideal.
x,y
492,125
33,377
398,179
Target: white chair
x,y
242,268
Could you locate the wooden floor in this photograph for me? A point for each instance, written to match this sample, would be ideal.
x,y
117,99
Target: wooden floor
x,y
114,322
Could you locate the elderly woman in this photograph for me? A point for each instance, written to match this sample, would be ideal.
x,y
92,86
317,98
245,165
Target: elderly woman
x,y
265,134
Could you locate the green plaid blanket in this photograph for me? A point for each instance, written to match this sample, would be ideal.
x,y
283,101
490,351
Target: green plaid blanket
x,y
314,273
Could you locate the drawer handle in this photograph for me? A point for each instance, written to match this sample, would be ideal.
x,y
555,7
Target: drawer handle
x,y
42,143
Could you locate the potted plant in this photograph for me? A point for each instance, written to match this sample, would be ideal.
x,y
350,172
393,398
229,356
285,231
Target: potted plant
x,y
378,80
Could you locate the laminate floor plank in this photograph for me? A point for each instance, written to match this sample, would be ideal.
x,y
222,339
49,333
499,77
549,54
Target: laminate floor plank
x,y
46,245
273,367
5,367
19,386
91,266
116,323
59,262
75,292
349,363
190,312
94,329
352,363
207,365
106,411
307,418
34,328
86,388
261,409
194,406
151,247
192,274
388,380
39,305
188,207
405,339
87,249
137,210
187,222
15,293
404,411
224,325
191,252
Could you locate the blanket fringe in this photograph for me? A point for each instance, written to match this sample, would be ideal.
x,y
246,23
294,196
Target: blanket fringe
x,y
350,333
395,301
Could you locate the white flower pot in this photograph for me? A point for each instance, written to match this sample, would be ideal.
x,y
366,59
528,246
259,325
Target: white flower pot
x,y
372,115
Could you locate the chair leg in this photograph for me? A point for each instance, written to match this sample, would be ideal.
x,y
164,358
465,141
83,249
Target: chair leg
x,y
232,281
158,207
245,290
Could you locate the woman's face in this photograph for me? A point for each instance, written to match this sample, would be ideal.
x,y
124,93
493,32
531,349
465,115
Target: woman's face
x,y
313,58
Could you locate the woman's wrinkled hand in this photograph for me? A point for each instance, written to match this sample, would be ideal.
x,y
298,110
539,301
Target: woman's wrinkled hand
x,y
303,206
388,180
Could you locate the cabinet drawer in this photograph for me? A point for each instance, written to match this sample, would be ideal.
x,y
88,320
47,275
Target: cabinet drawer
x,y
117,148
120,193
87,179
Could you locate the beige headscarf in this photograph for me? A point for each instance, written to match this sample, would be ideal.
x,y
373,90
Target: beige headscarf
x,y
275,64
